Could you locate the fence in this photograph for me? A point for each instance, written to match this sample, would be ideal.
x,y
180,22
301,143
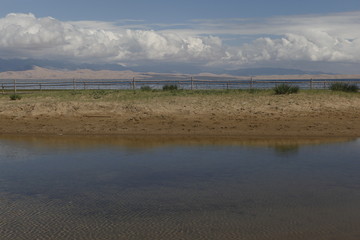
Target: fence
x,y
191,84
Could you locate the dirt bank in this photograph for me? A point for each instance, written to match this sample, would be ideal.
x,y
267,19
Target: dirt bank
x,y
245,114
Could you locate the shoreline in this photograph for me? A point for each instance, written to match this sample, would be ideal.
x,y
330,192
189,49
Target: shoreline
x,y
280,144
242,115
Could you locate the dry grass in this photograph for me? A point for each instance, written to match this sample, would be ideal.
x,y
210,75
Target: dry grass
x,y
310,113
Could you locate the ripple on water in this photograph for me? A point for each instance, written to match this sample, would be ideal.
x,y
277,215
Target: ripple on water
x,y
129,216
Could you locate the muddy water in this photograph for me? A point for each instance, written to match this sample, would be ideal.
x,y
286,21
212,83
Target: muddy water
x,y
147,188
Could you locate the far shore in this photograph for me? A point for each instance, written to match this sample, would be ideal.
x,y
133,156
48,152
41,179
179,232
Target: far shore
x,y
227,114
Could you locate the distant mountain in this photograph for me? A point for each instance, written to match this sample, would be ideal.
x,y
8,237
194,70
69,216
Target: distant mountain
x,y
82,74
270,71
28,64
155,67
15,65
170,67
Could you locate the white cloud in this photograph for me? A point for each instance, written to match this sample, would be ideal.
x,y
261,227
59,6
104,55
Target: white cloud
x,y
345,25
24,35
328,38
311,46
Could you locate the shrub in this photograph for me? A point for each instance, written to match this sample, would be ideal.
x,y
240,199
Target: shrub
x,y
170,87
145,88
345,87
286,89
15,97
96,94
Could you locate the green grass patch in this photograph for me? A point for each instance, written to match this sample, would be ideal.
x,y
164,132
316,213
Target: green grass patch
x,y
15,97
146,88
344,87
254,90
286,89
170,88
75,92
109,95
96,94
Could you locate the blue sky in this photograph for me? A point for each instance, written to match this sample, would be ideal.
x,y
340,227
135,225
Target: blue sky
x,y
172,11
309,35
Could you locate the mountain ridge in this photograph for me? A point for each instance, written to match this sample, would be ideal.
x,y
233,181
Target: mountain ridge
x,y
45,73
181,68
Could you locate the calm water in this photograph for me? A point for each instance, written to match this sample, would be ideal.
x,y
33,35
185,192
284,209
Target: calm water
x,y
97,188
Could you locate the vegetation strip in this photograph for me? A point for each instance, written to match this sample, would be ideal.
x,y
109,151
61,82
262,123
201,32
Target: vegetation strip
x,y
251,112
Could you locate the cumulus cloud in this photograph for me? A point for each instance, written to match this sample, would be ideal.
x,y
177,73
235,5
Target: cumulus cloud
x,y
24,35
306,38
311,46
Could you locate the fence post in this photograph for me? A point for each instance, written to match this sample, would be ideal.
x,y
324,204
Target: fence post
x,y
192,84
251,82
311,83
14,86
2,86
133,83
40,87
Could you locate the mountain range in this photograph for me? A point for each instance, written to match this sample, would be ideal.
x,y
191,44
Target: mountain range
x,y
29,64
37,73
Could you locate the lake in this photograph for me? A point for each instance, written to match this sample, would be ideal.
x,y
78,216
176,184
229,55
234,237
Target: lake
x,y
172,188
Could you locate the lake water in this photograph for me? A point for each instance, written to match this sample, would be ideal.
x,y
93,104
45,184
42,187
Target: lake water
x,y
114,188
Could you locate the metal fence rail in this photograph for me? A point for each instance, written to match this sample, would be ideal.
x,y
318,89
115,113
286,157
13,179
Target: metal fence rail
x,y
191,84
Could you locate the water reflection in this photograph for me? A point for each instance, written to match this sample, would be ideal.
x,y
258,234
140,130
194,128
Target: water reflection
x,y
287,149
147,142
177,188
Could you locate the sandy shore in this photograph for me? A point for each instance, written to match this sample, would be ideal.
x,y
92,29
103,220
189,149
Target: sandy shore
x,y
260,115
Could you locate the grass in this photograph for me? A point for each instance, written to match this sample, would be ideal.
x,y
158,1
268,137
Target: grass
x,y
145,88
344,87
170,88
286,89
131,95
254,90
140,95
15,97
96,94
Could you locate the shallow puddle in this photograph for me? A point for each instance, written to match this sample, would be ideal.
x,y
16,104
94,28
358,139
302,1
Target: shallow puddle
x,y
179,188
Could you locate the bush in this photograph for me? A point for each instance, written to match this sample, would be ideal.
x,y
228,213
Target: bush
x,y
15,97
96,94
170,87
345,87
286,89
145,88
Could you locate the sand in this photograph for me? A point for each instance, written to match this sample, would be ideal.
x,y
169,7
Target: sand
x,y
243,115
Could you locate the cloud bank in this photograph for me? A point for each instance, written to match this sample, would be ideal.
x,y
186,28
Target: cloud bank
x,y
24,35
331,38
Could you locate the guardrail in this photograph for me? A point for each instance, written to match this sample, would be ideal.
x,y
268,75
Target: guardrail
x,y
191,84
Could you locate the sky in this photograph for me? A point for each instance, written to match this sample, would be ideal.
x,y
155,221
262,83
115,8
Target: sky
x,y
312,35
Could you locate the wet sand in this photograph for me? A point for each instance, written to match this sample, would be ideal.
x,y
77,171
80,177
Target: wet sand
x,y
243,115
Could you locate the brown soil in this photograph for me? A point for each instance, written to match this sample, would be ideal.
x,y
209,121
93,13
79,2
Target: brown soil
x,y
299,115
